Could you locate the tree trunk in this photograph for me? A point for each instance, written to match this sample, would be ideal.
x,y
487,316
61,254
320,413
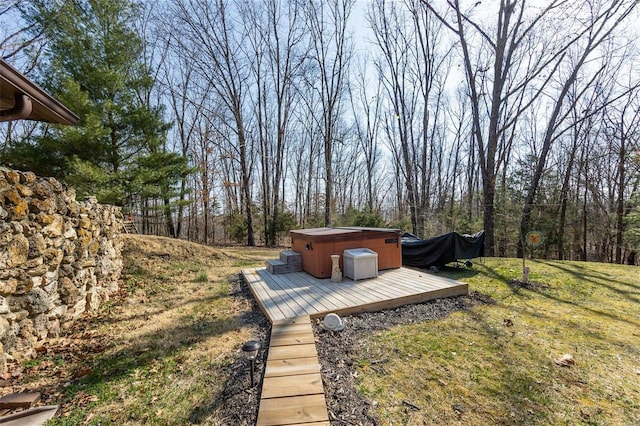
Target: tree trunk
x,y
488,188
584,218
171,229
328,184
564,199
621,187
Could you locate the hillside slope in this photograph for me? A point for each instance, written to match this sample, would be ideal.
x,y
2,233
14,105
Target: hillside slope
x,y
162,350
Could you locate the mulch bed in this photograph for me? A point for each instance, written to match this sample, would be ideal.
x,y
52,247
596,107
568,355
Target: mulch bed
x,y
337,352
239,402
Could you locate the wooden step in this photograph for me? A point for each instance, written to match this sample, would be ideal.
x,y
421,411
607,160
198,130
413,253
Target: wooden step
x,y
35,416
19,400
291,257
291,338
277,266
291,366
293,410
292,385
130,227
289,352
290,321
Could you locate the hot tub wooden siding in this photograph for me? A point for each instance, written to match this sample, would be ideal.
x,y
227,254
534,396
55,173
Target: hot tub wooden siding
x,y
318,244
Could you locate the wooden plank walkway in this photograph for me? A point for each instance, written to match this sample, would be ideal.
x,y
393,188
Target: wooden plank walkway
x,y
292,295
292,391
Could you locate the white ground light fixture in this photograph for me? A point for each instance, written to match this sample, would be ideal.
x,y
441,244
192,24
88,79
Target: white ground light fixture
x,y
333,322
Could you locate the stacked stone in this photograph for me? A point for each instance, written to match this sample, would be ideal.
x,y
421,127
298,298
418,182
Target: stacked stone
x,y
58,259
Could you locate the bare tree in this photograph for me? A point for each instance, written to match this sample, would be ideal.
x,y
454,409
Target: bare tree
x,y
505,74
21,47
331,51
392,34
366,105
413,67
575,142
623,125
308,152
18,41
178,81
603,20
279,53
209,32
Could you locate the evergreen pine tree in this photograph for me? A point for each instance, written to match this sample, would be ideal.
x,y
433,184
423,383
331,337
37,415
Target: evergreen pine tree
x,y
93,65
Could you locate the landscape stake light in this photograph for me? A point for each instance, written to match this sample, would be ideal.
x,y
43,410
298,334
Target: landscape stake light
x,y
250,350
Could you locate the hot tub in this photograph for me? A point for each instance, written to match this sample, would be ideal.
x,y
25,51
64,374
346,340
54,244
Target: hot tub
x,y
318,244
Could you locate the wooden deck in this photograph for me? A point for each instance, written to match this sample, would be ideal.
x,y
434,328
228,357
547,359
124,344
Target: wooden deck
x,y
292,391
292,295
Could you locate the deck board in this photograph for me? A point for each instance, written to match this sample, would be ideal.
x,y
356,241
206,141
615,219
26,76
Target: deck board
x,y
309,300
292,410
285,301
292,385
285,296
330,298
289,352
291,339
291,366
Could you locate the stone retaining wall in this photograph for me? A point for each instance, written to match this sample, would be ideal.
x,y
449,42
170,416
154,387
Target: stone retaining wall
x,y
58,259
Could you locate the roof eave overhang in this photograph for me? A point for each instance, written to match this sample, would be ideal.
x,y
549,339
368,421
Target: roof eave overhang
x,y
17,92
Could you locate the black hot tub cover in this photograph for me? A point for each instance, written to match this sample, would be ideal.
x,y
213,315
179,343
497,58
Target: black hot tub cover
x,y
440,250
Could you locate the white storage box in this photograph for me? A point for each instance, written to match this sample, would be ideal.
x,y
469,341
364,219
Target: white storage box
x,y
360,263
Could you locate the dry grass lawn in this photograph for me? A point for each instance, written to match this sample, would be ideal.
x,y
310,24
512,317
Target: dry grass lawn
x,y
156,353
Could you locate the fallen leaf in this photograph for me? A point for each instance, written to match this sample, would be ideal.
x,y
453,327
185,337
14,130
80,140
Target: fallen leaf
x,y
82,372
565,360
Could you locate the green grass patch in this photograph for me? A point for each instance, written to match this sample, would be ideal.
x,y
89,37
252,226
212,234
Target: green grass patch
x,y
190,266
202,277
243,263
495,364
